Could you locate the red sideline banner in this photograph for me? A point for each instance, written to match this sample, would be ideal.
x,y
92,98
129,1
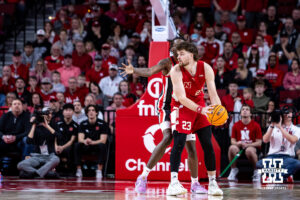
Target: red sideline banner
x,y
138,133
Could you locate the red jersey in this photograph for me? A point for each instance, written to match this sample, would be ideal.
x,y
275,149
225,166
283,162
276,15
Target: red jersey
x,y
188,120
247,36
9,87
71,97
21,71
212,50
54,64
246,133
46,97
95,76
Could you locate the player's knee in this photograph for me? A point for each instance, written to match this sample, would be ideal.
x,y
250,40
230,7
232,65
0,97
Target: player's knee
x,y
191,149
167,139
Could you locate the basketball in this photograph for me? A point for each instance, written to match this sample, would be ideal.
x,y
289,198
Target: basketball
x,y
218,116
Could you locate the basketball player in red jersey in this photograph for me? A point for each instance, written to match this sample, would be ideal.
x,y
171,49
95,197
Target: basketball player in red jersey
x,y
189,112
164,110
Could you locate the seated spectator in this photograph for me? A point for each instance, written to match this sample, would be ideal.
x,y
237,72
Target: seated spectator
x,y
82,85
43,160
61,99
242,75
129,55
289,30
246,134
109,84
79,115
272,21
213,47
135,14
228,26
138,46
68,70
238,47
136,86
260,76
66,133
92,136
40,71
33,85
90,49
97,72
283,137
196,35
49,32
263,50
21,92
128,97
62,21
116,13
100,99
28,57
65,43
7,81
77,31
219,32
247,97
95,35
230,57
247,34
80,58
225,5
55,60
200,22
262,30
46,91
116,105
41,45
296,18
8,100
254,61
14,127
260,100
72,93
291,79
254,11
273,74
146,33
36,102
17,68
229,99
119,37
284,51
57,86
57,114
90,99
221,76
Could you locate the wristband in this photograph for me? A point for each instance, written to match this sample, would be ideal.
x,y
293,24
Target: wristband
x,y
199,109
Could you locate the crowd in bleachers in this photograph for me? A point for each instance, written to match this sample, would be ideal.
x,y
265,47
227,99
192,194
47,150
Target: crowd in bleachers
x,y
252,46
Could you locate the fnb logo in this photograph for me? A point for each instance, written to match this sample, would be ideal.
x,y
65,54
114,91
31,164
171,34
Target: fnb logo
x,y
187,85
272,171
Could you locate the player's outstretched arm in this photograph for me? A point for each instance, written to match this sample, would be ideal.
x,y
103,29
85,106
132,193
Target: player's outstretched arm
x,y
211,86
145,72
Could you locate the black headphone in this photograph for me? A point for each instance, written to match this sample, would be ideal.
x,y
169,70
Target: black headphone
x,y
287,109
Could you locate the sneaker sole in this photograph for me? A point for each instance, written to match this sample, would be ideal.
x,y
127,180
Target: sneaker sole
x,y
215,194
175,194
194,192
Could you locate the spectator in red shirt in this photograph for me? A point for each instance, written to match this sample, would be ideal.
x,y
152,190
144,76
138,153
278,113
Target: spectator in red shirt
x,y
248,96
116,13
33,85
253,10
148,17
226,5
229,99
273,74
230,57
97,72
135,14
80,58
199,19
213,47
61,21
180,26
128,97
246,134
228,26
40,71
82,85
262,30
107,60
55,60
247,35
136,86
17,68
7,82
36,102
46,91
72,94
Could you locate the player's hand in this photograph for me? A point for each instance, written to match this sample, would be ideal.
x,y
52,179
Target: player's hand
x,y
207,109
127,69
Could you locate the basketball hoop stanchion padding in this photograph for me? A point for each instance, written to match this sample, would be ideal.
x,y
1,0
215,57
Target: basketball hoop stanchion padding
x,y
138,132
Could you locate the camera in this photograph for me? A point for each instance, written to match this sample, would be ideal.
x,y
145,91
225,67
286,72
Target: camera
x,y
39,115
275,116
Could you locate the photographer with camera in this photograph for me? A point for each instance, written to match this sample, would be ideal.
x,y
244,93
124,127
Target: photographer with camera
x,y
42,135
282,135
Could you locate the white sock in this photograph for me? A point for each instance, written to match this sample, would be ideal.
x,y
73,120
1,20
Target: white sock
x,y
174,177
194,180
146,172
211,178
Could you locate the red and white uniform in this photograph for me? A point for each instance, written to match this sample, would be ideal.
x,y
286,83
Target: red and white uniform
x,y
185,120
